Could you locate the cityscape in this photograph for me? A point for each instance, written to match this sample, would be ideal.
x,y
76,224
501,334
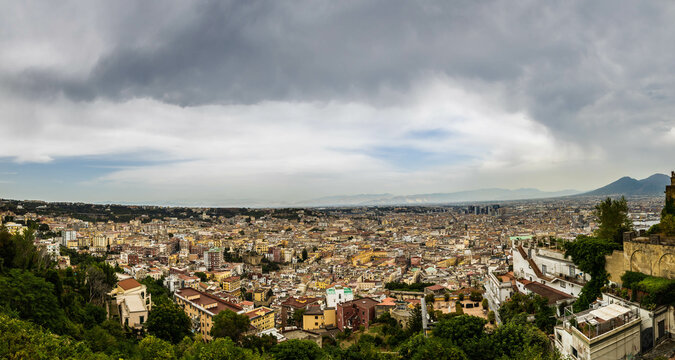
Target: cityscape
x,y
316,180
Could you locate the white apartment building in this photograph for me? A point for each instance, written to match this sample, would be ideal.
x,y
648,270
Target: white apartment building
x,y
606,331
338,295
613,328
549,267
131,302
499,287
68,235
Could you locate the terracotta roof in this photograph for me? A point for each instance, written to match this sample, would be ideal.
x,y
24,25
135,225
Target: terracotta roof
x,y
548,292
208,299
128,284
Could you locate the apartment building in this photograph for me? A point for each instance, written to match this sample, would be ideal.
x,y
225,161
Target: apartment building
x,y
547,266
201,307
605,331
130,302
354,313
262,318
337,295
499,287
315,318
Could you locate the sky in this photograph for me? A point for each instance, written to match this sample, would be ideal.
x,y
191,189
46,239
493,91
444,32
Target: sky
x,y
272,102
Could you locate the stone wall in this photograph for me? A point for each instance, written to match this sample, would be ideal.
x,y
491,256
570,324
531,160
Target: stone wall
x,y
641,256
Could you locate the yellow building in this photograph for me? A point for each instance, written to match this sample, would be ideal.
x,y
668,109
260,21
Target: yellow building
x,y
201,307
231,283
315,318
321,285
220,275
261,318
261,295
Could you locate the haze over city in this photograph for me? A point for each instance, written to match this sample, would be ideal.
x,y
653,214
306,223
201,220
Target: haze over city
x,y
231,103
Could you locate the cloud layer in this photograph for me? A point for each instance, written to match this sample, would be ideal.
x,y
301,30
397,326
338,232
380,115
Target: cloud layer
x,y
282,101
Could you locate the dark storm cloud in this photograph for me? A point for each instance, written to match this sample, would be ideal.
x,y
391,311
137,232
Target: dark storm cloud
x,y
553,59
249,51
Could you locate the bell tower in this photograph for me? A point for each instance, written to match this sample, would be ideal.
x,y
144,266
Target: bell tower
x,y
670,194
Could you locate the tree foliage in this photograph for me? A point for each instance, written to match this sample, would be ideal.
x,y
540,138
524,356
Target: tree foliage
x,y
531,304
229,324
169,322
588,253
613,219
297,350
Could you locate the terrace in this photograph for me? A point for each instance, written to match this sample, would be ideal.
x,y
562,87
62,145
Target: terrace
x,y
604,319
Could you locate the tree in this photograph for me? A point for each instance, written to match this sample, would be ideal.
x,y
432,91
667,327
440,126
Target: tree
x,y
97,283
297,350
460,328
32,298
169,322
230,324
201,275
667,224
531,304
152,348
297,316
475,296
430,298
262,344
516,340
485,304
588,254
613,219
218,349
25,340
460,297
491,317
415,321
420,347
304,254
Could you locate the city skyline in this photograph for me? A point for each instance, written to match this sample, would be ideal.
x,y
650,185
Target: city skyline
x,y
285,102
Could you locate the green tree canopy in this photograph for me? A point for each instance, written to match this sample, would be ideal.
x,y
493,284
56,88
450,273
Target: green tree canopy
x,y
201,275
230,324
460,328
613,219
531,304
32,298
420,347
588,253
152,348
169,322
297,350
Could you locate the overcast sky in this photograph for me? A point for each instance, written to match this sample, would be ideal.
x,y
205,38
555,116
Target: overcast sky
x,y
227,102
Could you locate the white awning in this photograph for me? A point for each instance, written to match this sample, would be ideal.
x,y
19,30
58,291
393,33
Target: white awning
x,y
610,312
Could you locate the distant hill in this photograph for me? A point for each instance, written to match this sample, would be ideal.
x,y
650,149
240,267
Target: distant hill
x,y
436,198
653,185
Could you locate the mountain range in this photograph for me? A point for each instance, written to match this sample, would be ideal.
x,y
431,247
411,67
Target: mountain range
x,y
653,185
627,186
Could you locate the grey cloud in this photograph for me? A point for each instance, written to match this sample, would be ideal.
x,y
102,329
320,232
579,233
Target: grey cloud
x,y
580,68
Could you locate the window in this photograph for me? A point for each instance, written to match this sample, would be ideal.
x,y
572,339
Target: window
x,y
316,317
571,270
559,336
543,269
574,352
142,318
562,284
